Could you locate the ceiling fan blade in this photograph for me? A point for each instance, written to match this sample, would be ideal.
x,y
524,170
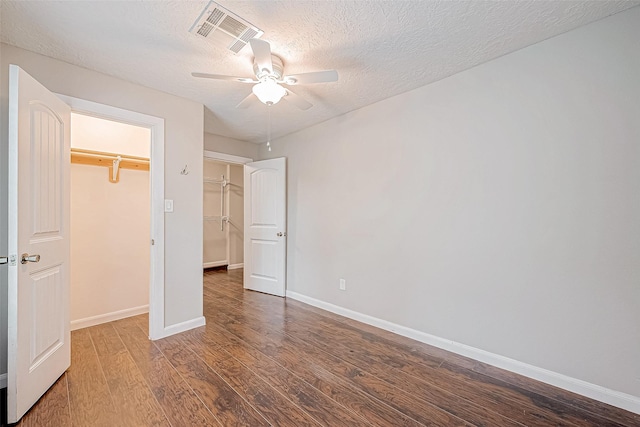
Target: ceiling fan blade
x,y
312,77
297,100
262,53
246,102
223,77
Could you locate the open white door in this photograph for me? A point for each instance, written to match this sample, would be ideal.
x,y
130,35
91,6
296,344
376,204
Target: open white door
x,y
265,226
39,348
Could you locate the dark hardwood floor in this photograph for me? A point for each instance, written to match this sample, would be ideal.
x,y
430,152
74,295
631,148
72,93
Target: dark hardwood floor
x,y
263,360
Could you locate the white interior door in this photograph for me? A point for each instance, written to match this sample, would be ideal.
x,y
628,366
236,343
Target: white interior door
x,y
38,294
265,226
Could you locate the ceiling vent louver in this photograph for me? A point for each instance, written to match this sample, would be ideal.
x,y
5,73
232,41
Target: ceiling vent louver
x,y
224,28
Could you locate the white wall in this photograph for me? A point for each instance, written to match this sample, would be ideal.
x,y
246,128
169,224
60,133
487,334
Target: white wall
x,y
96,134
183,146
498,208
223,144
109,244
110,225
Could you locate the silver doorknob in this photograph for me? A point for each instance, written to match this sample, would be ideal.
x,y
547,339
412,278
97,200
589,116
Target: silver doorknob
x,y
29,258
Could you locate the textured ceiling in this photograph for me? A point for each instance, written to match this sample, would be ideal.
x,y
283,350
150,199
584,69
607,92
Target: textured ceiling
x,y
379,48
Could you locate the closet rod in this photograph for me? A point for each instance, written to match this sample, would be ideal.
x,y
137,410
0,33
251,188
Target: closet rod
x,y
113,161
216,181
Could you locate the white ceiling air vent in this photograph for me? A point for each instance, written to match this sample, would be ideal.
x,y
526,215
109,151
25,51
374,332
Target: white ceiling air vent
x,y
224,28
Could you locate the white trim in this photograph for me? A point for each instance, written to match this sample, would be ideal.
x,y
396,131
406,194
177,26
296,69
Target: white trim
x,y
593,391
214,264
235,266
3,381
108,317
181,327
228,158
156,124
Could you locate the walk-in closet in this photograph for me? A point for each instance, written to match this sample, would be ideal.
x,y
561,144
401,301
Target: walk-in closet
x,y
223,214
110,220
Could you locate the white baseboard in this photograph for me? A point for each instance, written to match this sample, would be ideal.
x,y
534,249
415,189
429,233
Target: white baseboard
x,y
183,326
108,317
3,381
214,264
593,391
235,266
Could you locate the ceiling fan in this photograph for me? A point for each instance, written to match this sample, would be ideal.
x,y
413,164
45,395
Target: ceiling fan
x,y
269,79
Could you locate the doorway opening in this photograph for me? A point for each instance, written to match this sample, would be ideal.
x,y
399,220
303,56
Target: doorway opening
x,y
110,220
157,327
223,212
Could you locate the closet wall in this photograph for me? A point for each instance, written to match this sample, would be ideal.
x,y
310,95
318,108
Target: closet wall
x,y
223,214
110,226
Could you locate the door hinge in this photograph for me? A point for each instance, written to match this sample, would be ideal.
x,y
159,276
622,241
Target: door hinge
x,y
153,242
11,260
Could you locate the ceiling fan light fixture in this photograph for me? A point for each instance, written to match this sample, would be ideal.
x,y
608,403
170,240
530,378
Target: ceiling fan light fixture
x,y
269,91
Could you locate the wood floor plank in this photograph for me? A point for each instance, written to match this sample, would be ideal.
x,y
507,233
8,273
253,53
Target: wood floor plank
x,y
223,401
275,407
321,408
130,393
89,397
407,403
340,390
52,409
179,402
439,404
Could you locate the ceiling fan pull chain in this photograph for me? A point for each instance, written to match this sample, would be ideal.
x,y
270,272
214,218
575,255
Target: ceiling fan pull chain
x,y
269,128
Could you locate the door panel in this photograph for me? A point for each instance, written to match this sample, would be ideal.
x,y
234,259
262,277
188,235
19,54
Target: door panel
x,y
47,320
38,291
47,149
265,226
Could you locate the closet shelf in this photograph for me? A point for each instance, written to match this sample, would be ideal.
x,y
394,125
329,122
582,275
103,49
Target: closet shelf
x,y
114,162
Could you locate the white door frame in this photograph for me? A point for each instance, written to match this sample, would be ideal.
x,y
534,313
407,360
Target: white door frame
x,y
227,158
156,124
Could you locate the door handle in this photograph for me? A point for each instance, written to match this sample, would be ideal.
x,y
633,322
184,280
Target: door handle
x,y
29,258
280,234
4,260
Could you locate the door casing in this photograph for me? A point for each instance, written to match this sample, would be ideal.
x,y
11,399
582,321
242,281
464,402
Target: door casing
x,y
156,124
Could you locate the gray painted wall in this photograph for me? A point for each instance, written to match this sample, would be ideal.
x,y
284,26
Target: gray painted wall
x,y
498,208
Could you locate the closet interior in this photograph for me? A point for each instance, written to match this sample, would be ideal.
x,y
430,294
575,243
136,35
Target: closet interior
x,y
110,220
223,214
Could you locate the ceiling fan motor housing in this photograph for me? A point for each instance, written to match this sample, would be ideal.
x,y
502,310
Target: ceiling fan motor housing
x,y
277,66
